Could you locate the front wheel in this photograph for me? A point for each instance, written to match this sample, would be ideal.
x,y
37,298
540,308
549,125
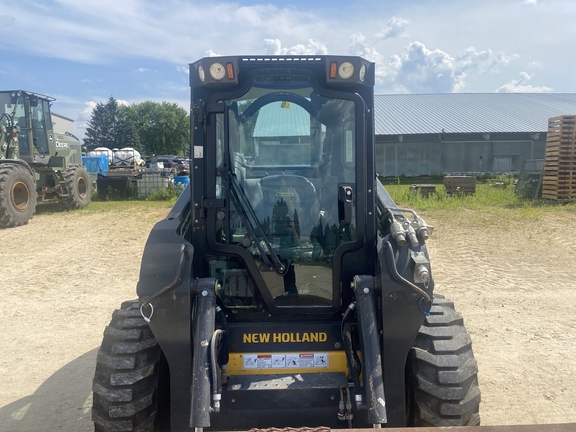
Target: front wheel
x,y
125,386
79,188
17,195
442,374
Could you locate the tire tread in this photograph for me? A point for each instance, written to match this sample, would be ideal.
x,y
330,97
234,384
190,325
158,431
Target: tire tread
x,y
126,377
443,372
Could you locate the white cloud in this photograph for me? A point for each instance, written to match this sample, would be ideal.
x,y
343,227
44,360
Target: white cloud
x,y
394,28
358,45
421,70
86,113
175,32
483,61
249,16
522,86
424,71
7,22
274,47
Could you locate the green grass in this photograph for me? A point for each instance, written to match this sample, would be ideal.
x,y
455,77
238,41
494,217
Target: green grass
x,y
493,198
108,206
119,206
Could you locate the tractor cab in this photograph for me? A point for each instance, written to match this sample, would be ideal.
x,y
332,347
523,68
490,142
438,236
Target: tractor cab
x,y
31,113
280,157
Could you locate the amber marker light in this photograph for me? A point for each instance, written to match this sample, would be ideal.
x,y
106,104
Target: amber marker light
x,y
230,70
333,68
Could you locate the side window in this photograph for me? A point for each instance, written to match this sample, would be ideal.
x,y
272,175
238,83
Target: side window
x,y
20,120
47,117
39,128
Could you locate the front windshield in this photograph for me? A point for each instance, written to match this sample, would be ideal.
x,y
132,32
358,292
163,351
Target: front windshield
x,y
288,150
11,109
12,113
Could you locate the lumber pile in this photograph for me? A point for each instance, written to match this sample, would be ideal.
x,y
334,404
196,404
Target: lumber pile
x,y
559,181
460,185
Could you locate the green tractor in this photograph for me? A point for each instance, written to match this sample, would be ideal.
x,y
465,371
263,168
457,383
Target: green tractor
x,y
35,162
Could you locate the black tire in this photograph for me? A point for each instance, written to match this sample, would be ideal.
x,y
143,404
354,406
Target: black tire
x,y
442,374
126,378
79,188
17,195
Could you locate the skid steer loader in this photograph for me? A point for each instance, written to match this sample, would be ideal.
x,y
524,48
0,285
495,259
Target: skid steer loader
x,y
285,289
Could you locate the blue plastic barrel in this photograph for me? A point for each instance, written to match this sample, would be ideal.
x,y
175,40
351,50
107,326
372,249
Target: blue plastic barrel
x,y
183,180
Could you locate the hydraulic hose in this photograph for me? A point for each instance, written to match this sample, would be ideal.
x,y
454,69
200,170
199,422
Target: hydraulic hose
x,y
351,355
216,381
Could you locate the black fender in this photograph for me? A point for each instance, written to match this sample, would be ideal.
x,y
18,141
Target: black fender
x,y
402,316
21,163
167,267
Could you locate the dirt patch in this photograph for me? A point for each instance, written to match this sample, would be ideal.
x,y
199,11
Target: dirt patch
x,y
64,273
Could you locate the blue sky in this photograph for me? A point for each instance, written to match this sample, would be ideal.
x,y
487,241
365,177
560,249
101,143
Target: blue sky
x,y
82,51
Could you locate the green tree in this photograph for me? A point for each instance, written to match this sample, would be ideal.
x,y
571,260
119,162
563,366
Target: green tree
x,y
279,213
163,128
296,220
125,133
101,127
112,125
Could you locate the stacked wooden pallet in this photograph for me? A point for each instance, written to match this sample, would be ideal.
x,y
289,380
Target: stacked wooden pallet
x,y
425,189
559,181
460,185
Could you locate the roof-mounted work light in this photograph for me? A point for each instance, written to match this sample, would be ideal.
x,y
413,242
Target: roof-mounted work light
x,y
215,71
348,71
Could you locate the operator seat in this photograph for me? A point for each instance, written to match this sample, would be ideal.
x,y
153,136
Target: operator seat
x,y
296,193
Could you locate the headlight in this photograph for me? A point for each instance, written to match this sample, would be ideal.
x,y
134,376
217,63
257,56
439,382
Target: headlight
x,y
362,73
201,73
217,71
346,70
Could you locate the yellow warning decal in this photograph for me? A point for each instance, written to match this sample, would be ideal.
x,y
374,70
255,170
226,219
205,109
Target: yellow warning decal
x,y
286,362
255,338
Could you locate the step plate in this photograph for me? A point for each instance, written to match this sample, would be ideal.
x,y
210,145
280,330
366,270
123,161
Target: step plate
x,y
283,390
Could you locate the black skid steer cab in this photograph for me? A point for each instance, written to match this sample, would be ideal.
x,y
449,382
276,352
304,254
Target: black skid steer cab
x,y
285,289
36,163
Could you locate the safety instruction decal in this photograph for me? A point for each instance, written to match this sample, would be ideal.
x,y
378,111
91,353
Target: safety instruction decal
x,y
285,361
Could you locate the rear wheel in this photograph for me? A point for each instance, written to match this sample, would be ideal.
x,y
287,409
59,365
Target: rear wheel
x,y
79,188
17,195
125,386
442,373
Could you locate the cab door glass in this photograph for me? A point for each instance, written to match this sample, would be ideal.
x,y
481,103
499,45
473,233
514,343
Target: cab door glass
x,y
289,150
39,129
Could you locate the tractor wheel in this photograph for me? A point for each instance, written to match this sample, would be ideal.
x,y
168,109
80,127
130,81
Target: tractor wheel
x,y
125,387
442,373
17,195
79,188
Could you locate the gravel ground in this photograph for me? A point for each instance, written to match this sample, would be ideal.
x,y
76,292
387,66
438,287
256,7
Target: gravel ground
x,y
64,273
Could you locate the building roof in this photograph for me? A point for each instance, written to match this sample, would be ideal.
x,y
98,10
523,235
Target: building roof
x,y
281,119
405,114
62,117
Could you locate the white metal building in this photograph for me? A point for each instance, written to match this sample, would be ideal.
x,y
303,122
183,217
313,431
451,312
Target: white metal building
x,y
62,124
463,132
